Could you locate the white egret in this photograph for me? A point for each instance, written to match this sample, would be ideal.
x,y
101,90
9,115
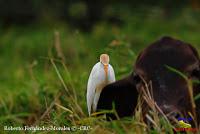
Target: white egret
x,y
101,75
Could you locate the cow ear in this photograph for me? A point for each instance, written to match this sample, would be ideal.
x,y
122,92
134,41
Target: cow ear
x,y
196,71
194,52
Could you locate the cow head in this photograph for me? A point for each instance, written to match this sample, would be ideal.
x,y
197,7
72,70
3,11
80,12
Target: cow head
x,y
170,90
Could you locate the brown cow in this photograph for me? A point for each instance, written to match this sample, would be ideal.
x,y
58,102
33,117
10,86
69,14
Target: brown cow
x,y
170,90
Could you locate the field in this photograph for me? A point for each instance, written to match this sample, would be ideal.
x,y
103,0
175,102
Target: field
x,y
45,68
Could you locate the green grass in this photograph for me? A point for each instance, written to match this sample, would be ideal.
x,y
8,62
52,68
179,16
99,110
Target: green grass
x,y
39,88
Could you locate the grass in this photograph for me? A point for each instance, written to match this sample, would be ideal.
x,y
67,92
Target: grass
x,y
45,69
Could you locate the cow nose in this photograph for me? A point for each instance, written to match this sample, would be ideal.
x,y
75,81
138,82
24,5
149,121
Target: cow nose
x,y
170,111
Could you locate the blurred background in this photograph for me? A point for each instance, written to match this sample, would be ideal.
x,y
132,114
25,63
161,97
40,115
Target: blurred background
x,y
74,33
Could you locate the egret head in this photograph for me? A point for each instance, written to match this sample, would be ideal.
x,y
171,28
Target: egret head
x,y
104,59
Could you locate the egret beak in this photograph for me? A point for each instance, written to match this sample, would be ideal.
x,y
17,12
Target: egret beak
x,y
106,69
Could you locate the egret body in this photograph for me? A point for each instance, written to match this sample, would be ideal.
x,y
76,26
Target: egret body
x,y
101,75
